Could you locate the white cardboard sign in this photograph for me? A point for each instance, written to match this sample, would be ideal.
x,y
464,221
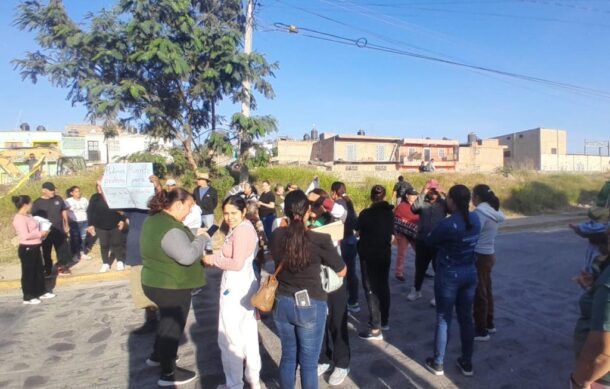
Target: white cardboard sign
x,y
127,185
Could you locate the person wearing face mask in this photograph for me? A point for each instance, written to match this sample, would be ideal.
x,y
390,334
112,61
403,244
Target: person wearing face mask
x,y
237,328
171,268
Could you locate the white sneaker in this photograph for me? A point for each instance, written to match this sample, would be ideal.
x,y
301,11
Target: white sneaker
x,y
323,368
413,295
31,301
433,302
105,267
47,296
338,376
84,256
385,327
120,266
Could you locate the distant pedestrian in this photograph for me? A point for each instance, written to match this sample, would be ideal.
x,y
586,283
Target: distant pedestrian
x,y
107,225
400,188
206,197
279,201
77,215
422,167
266,207
172,267
290,187
249,193
431,208
52,207
237,327
430,167
405,230
455,238
488,209
30,239
300,307
32,161
376,227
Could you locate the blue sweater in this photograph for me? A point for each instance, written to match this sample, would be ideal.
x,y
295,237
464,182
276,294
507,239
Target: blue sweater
x,y
455,244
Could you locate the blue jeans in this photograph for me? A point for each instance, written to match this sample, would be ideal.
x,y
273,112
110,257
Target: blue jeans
x,y
301,332
454,286
268,224
78,235
207,221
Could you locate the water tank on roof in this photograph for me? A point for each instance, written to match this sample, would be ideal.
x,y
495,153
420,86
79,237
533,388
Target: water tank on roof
x,y
40,128
361,132
472,138
314,133
306,137
24,127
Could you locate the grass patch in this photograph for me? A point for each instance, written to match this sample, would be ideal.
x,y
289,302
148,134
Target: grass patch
x,y
526,193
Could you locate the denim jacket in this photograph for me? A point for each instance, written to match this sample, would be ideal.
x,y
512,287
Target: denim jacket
x,y
455,244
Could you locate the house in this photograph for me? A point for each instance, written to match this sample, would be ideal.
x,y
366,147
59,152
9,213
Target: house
x,y
291,152
481,155
414,151
545,149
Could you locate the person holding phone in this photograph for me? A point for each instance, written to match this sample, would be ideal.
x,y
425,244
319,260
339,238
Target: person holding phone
x,y
237,328
300,307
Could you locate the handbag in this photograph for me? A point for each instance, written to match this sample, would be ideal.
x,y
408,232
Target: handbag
x,y
405,228
265,297
330,280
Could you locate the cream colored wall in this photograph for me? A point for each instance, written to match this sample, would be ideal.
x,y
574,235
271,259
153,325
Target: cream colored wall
x,y
487,157
293,151
365,150
524,149
575,163
322,150
550,139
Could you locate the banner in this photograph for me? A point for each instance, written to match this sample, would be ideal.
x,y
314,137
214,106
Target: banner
x,y
127,185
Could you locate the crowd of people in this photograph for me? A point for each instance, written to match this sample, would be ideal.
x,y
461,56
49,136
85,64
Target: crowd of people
x,y
169,245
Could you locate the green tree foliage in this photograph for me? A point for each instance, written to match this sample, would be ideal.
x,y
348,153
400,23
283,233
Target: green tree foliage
x,y
162,65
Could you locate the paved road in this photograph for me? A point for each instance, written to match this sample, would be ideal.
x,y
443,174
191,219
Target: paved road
x,y
82,338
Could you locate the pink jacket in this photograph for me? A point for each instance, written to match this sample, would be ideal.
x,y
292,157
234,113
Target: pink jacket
x,y
27,229
238,247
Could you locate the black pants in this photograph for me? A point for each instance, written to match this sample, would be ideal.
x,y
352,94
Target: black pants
x,y
335,347
111,240
349,252
174,305
59,240
32,272
375,281
424,254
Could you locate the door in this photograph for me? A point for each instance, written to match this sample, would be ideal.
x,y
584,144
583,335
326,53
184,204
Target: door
x,y
426,155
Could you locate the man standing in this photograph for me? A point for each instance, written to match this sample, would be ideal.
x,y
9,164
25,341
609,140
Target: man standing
x,y
32,161
206,198
52,207
266,208
400,188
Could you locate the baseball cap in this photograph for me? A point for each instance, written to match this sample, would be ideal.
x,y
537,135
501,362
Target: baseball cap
x,y
433,184
170,182
412,192
48,186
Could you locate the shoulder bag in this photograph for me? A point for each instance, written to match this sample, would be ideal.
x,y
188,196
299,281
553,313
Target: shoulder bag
x,y
265,297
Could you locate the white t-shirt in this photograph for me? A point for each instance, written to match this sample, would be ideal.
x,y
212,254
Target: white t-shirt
x,y
77,209
193,219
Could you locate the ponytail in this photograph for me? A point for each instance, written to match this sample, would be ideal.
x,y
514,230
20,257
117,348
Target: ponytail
x,y
163,200
21,200
296,250
339,188
486,195
460,195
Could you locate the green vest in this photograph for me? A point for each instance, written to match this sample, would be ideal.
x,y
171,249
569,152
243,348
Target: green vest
x,y
159,270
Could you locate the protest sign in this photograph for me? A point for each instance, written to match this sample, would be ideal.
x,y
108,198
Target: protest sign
x,y
127,185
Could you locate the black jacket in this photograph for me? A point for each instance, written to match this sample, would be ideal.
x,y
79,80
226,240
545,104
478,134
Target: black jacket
x,y
376,226
99,215
209,202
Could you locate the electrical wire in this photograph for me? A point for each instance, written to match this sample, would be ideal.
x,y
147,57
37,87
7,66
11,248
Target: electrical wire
x,y
364,43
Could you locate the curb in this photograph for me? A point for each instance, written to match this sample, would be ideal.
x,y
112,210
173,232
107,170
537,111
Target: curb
x,y
73,280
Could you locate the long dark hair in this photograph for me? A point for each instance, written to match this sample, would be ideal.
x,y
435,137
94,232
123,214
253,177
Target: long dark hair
x,y
70,190
460,195
21,200
236,200
163,199
486,195
340,189
296,251
377,193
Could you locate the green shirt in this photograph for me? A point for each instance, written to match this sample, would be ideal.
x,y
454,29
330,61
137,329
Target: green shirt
x,y
594,314
160,270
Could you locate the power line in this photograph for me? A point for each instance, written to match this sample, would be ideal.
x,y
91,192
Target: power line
x,y
364,43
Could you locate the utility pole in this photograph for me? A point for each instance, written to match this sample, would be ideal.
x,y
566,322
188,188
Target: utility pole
x,y
245,105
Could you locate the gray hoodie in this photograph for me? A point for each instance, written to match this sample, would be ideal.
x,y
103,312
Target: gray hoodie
x,y
490,220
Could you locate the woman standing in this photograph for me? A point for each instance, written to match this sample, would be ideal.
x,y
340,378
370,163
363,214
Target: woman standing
x,y
171,269
431,208
237,328
107,224
30,238
376,226
488,209
300,308
404,216
77,218
455,239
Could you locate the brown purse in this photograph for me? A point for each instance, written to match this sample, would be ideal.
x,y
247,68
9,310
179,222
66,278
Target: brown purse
x,y
265,297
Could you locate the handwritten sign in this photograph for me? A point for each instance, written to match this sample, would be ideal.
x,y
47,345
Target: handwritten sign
x,y
126,185
335,230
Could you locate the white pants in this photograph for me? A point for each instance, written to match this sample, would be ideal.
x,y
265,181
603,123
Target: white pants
x,y
238,339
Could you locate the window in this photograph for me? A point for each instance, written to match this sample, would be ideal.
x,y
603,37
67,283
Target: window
x,y
442,153
553,150
412,150
381,167
114,145
93,150
12,145
380,153
506,153
351,152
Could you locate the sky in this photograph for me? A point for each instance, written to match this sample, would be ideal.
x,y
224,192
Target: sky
x,y
342,88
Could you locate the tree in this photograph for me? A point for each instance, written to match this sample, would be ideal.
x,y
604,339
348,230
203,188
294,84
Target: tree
x,y
161,65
